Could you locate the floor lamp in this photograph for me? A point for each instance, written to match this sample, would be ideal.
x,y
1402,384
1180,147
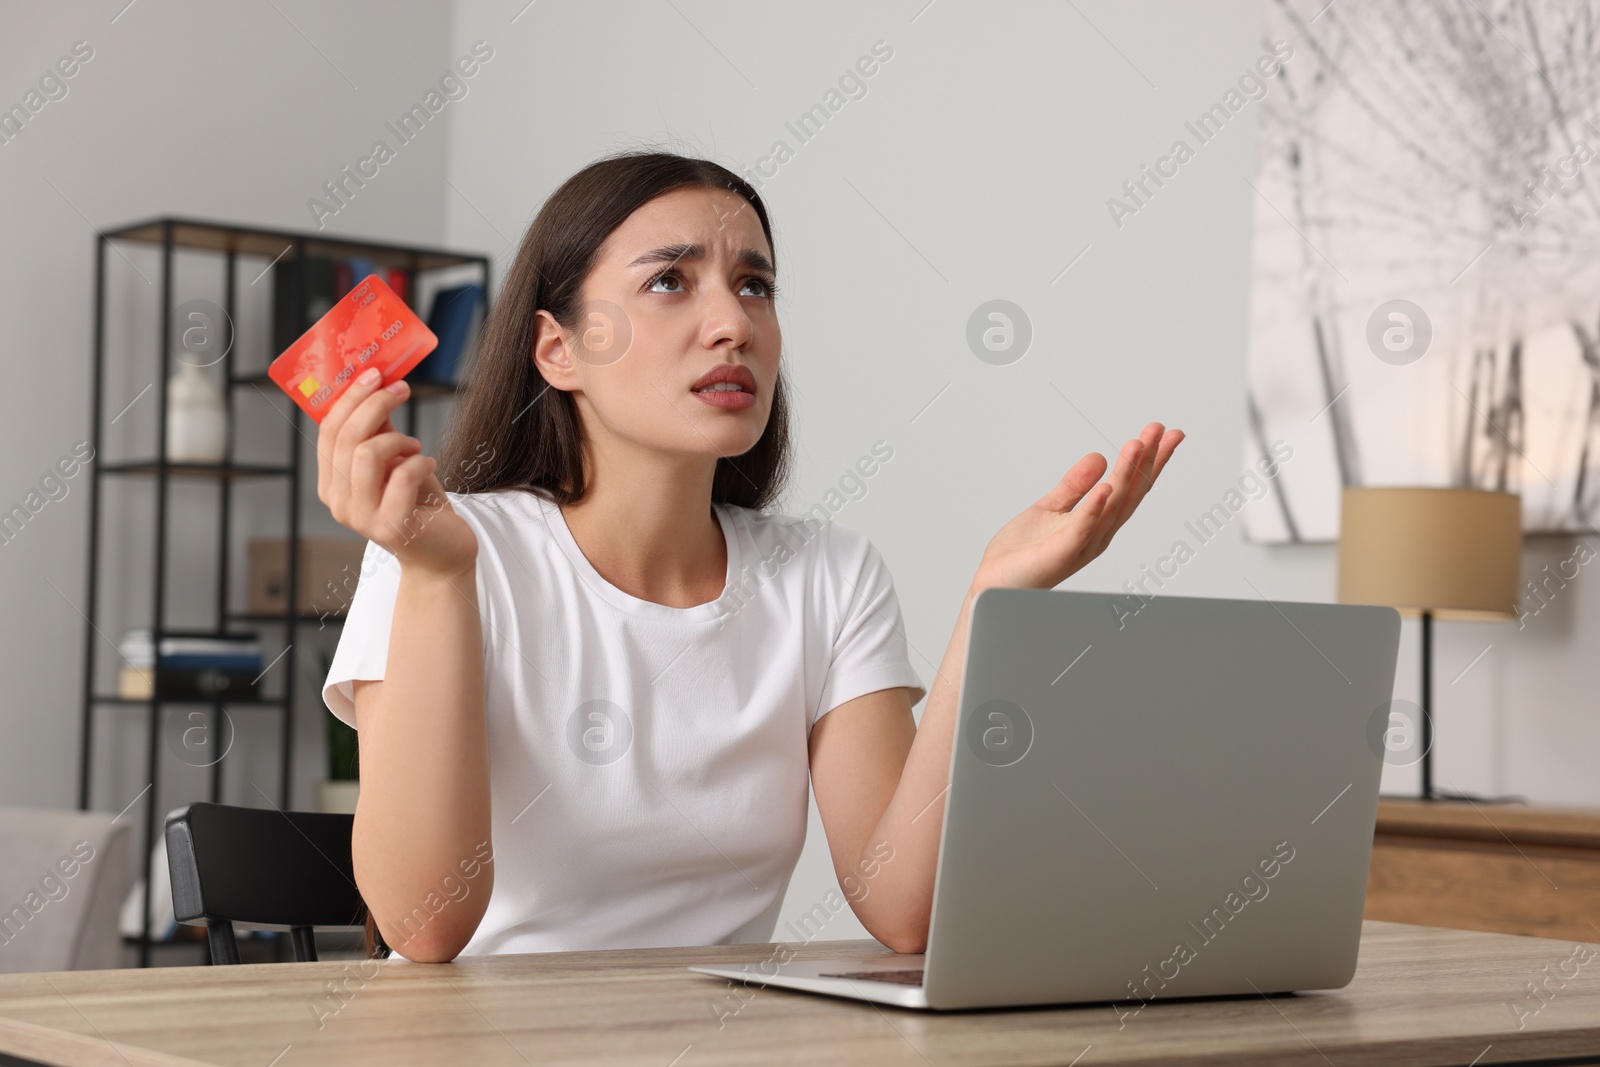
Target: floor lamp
x,y
1431,554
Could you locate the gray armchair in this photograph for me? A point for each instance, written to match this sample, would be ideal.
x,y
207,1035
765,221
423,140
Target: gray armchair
x,y
63,877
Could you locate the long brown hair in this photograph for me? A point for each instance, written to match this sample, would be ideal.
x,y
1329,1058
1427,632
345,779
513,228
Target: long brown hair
x,y
509,430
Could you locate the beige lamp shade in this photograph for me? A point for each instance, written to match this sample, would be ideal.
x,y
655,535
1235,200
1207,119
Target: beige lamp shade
x,y
1454,552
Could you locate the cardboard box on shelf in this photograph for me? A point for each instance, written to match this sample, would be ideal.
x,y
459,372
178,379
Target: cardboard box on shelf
x,y
329,569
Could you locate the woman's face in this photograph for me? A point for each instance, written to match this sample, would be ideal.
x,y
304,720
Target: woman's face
x,y
680,297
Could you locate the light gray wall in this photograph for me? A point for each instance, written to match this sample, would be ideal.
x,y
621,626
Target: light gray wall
x,y
976,167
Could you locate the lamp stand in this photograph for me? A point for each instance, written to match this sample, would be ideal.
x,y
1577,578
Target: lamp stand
x,y
1427,706
1428,792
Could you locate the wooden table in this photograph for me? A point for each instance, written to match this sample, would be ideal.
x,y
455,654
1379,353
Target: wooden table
x,y
1506,868
1420,996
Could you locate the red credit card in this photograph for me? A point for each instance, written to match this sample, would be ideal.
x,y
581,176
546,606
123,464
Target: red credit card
x,y
369,327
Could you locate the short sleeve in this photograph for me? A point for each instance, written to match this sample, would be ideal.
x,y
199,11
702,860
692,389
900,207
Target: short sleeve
x,y
869,648
363,649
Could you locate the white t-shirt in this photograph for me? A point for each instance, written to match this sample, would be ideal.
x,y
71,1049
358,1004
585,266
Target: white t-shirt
x,y
648,765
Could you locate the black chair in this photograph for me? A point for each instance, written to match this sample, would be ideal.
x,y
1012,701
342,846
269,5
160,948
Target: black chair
x,y
258,865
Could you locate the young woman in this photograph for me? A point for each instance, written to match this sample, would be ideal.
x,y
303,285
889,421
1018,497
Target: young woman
x,y
592,675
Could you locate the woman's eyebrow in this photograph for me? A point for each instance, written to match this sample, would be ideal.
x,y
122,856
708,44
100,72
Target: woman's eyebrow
x,y
748,257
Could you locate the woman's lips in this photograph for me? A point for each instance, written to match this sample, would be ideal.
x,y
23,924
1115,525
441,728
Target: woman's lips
x,y
727,399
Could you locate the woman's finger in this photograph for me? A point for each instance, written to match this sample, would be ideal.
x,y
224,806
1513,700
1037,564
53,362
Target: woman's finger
x,y
371,464
333,423
398,514
1126,482
1096,523
1149,438
1081,526
1082,477
1122,477
1169,444
369,417
1157,460
1159,452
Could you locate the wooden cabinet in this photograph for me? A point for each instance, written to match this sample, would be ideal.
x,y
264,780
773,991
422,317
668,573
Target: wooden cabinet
x,y
1504,868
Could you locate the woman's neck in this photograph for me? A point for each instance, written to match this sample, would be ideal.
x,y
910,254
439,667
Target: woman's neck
x,y
648,529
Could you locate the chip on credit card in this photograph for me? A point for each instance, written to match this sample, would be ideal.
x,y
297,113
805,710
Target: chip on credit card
x,y
370,326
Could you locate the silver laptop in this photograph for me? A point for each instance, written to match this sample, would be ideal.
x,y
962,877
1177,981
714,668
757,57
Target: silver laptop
x,y
1149,798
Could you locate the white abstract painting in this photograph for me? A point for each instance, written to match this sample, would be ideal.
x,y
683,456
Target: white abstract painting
x,y
1426,294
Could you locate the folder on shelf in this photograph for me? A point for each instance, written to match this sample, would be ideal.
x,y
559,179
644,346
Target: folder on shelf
x,y
455,320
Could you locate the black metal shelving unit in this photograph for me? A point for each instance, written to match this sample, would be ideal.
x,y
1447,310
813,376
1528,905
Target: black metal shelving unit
x,y
229,242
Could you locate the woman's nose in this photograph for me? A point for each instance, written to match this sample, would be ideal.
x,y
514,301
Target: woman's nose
x,y
724,316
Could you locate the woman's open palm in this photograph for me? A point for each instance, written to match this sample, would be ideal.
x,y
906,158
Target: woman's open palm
x,y
1075,521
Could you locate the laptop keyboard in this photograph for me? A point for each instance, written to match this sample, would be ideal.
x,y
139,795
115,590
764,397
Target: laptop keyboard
x,y
905,977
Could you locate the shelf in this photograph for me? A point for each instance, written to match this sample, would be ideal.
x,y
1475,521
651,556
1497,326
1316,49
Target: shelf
x,y
230,702
206,631
254,241
188,935
419,390
184,937
198,470
241,256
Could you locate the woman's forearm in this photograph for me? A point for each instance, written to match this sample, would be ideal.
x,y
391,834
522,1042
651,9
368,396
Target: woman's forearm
x,y
421,844
895,870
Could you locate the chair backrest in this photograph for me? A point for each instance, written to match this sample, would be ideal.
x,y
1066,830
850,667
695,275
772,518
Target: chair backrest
x,y
258,865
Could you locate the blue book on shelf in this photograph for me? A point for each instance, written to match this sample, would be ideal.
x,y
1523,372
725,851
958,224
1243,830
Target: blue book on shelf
x,y
451,320
360,267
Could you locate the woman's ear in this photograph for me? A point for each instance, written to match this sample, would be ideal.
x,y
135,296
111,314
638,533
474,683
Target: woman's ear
x,y
550,352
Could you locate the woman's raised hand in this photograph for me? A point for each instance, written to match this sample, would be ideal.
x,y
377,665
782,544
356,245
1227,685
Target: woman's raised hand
x,y
376,481
1074,522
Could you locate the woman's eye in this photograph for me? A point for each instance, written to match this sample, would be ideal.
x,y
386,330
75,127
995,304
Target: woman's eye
x,y
764,288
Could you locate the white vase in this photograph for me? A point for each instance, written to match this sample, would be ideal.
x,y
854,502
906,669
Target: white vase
x,y
337,797
197,417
